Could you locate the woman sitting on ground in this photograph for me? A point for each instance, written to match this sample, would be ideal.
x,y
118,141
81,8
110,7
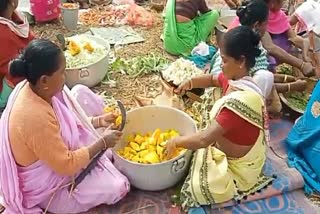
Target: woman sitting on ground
x,y
304,143
281,33
255,15
281,55
15,34
227,160
184,28
47,142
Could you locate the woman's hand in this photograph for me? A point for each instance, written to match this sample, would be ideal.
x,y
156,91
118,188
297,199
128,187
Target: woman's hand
x,y
183,87
111,137
307,69
105,120
170,148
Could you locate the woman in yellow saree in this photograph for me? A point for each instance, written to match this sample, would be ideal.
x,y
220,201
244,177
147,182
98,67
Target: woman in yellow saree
x,y
231,152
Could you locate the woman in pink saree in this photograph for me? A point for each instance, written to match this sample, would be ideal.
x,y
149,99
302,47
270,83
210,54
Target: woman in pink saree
x,y
47,139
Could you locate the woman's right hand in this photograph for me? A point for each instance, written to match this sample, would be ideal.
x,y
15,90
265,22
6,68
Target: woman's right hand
x,y
183,87
111,137
308,69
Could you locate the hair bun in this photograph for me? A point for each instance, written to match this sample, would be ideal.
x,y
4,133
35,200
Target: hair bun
x,y
18,67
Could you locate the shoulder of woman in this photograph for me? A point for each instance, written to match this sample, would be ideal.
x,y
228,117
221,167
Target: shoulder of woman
x,y
245,100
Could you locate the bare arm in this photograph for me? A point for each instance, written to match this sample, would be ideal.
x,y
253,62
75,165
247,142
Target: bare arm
x,y
214,133
279,53
205,81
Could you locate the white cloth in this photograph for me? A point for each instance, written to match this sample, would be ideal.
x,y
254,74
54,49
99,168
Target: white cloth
x,y
265,80
21,30
308,14
202,49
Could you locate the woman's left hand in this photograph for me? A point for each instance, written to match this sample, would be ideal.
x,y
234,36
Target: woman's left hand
x,y
106,120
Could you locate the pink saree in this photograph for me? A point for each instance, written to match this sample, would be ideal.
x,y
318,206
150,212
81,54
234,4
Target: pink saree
x,y
35,188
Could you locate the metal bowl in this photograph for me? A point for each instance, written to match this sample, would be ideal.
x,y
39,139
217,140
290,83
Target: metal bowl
x,y
154,177
311,82
92,74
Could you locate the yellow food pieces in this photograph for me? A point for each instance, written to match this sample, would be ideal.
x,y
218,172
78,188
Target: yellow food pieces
x,y
87,46
149,148
73,48
112,109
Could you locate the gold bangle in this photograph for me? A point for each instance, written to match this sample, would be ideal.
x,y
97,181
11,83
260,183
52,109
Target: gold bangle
x,y
105,143
302,65
98,122
285,78
191,84
289,89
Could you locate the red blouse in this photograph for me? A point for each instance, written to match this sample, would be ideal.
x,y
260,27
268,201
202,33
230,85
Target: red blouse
x,y
11,46
238,130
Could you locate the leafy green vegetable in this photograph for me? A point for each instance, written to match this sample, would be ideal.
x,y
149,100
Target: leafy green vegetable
x,y
299,100
140,66
285,69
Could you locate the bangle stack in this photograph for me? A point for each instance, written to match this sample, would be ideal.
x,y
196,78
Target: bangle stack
x,y
105,143
191,84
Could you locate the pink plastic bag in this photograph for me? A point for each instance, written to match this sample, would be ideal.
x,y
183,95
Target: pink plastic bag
x,y
45,10
139,16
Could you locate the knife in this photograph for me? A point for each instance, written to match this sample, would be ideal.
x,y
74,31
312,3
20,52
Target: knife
x,y
94,161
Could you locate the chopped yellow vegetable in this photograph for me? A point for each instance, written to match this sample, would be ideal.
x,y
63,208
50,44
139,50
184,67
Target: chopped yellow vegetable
x,y
73,48
134,146
88,47
149,148
152,157
139,139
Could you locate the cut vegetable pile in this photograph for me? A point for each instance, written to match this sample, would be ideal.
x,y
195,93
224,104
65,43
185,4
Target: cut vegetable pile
x,y
82,52
298,100
181,70
140,66
149,148
103,16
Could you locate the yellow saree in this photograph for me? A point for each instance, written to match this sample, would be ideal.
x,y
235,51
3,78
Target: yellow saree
x,y
213,177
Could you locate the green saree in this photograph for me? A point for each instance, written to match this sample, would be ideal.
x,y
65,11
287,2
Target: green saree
x,y
181,38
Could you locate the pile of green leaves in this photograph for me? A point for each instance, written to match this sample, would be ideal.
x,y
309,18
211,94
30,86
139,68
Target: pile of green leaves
x,y
140,66
299,100
285,69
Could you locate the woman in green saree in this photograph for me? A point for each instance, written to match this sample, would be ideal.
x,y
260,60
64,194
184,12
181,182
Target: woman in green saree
x,y
187,23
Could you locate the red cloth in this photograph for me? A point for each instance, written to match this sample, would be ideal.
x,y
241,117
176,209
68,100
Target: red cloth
x,y
224,83
238,130
11,46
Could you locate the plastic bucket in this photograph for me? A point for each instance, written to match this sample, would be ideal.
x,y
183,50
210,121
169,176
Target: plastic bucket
x,y
70,17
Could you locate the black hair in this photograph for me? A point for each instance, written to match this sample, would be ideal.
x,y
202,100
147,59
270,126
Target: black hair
x,y
40,57
3,5
242,41
253,11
